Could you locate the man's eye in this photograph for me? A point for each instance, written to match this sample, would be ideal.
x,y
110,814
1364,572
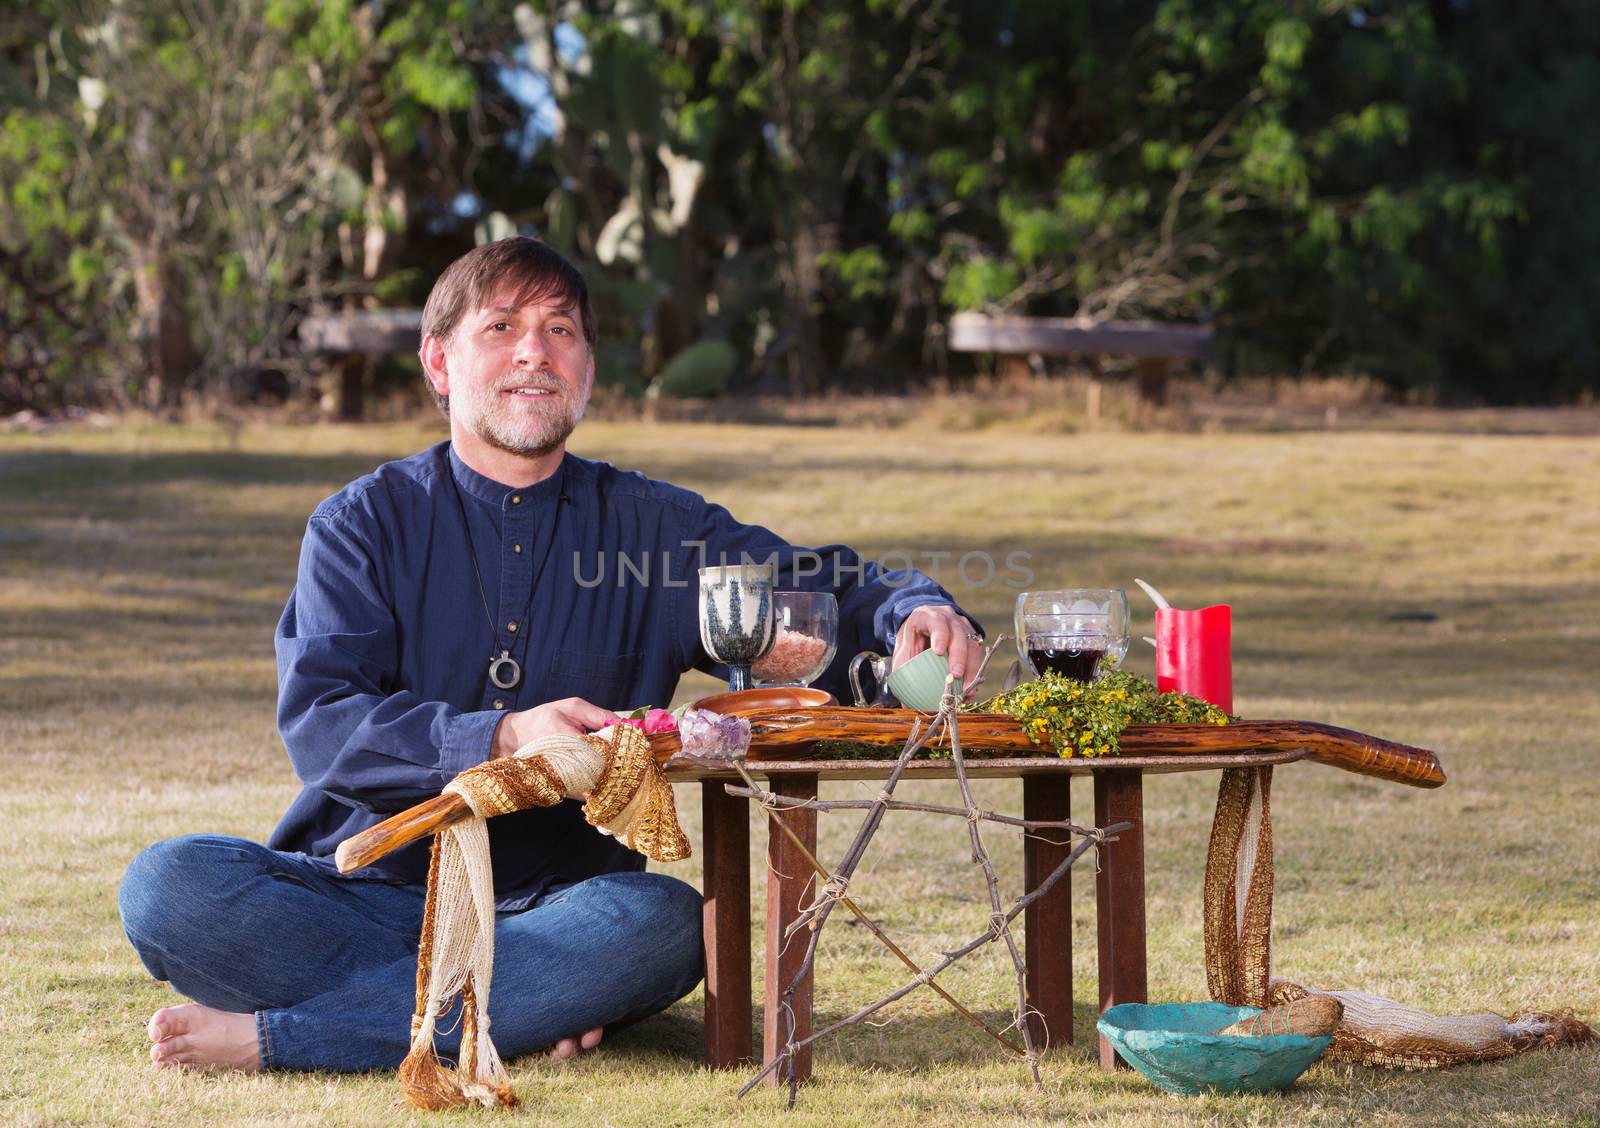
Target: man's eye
x,y
501,325
561,329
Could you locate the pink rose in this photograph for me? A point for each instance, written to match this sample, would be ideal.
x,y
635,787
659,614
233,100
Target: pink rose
x,y
656,720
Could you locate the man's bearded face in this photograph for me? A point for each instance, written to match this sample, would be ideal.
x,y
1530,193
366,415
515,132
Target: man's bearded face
x,y
519,377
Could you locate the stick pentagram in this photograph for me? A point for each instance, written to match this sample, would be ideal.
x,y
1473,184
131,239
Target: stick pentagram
x,y
832,890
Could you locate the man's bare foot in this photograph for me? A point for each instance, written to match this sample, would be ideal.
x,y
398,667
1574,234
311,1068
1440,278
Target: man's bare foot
x,y
571,1047
191,1036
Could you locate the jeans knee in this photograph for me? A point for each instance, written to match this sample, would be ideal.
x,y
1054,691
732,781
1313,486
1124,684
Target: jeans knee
x,y
162,885
684,907
678,913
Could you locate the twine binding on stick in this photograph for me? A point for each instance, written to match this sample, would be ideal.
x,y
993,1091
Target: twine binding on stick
x,y
1372,1030
629,797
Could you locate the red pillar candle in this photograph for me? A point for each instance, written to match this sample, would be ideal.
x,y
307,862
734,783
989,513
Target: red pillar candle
x,y
1194,653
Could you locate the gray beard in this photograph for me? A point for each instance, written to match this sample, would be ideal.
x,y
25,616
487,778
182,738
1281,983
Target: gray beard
x,y
531,438
539,441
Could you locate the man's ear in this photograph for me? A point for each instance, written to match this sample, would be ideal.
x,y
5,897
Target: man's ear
x,y
432,356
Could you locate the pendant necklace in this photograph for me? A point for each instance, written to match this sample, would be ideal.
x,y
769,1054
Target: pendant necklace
x,y
504,671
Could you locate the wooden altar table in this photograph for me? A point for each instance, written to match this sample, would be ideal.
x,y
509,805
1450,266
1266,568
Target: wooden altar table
x,y
1119,886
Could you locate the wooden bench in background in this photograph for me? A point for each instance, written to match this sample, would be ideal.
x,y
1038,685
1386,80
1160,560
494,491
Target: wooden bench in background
x,y
1153,345
355,336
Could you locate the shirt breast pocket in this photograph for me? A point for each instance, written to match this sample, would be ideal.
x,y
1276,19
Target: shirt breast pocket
x,y
606,680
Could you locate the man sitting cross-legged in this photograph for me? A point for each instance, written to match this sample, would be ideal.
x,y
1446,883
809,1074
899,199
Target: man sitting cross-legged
x,y
446,612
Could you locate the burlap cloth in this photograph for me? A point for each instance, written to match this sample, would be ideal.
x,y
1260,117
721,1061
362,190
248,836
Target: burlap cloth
x,y
1373,1030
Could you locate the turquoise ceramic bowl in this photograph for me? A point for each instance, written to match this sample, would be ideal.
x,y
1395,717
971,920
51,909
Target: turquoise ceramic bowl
x,y
1173,1046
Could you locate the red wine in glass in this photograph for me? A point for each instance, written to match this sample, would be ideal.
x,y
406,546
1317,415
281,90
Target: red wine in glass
x,y
1070,661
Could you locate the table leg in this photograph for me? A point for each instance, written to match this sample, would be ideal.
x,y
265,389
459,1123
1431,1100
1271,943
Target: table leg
x,y
1048,921
1119,896
726,857
789,879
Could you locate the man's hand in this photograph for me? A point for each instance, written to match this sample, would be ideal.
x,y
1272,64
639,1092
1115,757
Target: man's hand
x,y
940,627
570,714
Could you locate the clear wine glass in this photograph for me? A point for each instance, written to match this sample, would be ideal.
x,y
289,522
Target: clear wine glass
x,y
808,635
1071,631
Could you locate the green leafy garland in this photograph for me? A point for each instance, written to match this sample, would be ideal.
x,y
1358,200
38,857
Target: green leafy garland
x,y
1085,719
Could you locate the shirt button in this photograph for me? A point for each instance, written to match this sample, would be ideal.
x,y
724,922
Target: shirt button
x,y
517,548
512,626
499,702
516,499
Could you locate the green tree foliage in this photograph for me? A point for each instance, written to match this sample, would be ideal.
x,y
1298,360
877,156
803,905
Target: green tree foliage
x,y
718,161
164,180
1400,195
184,179
52,303
1400,187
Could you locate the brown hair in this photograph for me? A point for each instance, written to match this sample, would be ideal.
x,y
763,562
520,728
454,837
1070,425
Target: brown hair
x,y
537,273
531,269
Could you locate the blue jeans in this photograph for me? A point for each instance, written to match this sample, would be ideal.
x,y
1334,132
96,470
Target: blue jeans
x,y
329,965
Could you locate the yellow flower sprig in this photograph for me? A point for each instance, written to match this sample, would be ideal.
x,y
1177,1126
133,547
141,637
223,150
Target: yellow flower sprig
x,y
1085,719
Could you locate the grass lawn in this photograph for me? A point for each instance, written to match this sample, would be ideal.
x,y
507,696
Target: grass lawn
x,y
1439,589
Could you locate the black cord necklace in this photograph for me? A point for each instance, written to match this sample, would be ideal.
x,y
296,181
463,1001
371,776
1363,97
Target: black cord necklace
x,y
504,672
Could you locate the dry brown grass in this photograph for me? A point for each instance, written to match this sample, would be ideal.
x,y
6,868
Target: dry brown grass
x,y
141,571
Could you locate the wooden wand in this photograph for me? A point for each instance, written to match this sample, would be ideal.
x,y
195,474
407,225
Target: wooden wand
x,y
780,731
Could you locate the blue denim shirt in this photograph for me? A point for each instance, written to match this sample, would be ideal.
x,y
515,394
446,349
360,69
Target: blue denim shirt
x,y
384,646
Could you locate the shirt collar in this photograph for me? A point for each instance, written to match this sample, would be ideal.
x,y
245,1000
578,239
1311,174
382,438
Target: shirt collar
x,y
495,493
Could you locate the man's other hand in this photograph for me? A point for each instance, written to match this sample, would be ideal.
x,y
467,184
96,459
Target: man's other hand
x,y
946,631
569,715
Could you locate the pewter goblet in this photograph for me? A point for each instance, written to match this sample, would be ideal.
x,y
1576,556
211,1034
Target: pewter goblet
x,y
737,624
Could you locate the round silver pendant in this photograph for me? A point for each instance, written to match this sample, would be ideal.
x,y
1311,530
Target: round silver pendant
x,y
504,671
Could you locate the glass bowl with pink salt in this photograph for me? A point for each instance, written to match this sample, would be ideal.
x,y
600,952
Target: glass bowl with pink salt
x,y
807,636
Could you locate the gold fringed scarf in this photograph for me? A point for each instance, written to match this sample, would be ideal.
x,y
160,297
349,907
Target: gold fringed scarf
x,y
629,797
1373,1030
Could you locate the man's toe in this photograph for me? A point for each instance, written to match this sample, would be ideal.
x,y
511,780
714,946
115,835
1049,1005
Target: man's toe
x,y
169,1021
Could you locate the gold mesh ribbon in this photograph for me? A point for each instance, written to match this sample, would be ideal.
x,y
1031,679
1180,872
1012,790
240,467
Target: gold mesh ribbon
x,y
633,799
1372,1030
1238,913
516,783
629,797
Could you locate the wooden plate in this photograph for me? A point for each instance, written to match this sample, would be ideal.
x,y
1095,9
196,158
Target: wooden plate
x,y
767,697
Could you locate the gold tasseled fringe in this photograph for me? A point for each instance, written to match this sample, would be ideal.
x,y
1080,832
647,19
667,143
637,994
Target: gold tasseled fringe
x,y
629,796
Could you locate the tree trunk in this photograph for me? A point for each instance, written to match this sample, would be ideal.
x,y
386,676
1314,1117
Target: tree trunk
x,y
805,359
162,293
352,386
381,241
384,199
1153,380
